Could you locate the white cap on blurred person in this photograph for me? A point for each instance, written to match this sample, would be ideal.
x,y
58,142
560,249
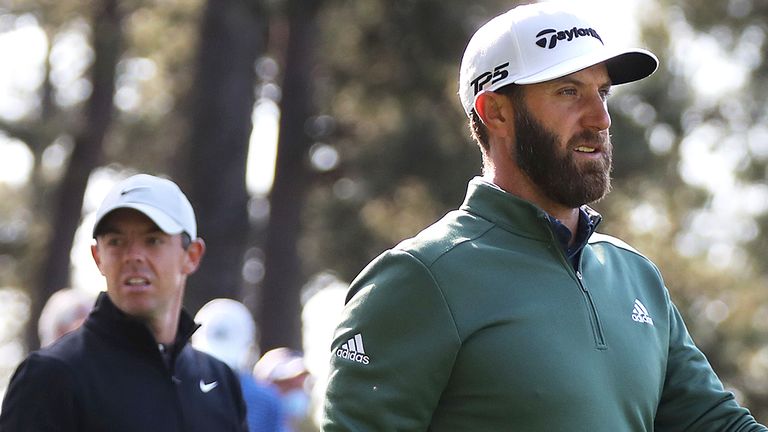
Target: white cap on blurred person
x,y
159,199
227,332
280,364
540,42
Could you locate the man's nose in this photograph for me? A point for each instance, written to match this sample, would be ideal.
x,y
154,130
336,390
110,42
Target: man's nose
x,y
596,116
134,251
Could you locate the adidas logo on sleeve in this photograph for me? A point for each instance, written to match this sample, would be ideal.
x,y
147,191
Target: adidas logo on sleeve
x,y
640,313
353,350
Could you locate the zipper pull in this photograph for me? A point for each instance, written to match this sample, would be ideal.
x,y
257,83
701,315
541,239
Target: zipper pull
x,y
580,277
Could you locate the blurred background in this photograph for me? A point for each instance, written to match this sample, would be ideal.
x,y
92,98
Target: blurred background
x,y
310,135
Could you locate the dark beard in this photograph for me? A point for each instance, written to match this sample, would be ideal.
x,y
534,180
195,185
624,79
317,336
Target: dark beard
x,y
556,174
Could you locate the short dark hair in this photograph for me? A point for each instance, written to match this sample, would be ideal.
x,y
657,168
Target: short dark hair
x,y
103,228
477,127
186,240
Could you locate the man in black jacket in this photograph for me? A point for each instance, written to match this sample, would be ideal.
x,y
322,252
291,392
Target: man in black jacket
x,y
129,367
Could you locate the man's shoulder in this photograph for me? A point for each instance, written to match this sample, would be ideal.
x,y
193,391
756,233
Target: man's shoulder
x,y
47,365
64,359
451,231
69,348
599,238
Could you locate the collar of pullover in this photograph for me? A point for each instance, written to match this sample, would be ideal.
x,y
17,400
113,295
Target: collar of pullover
x,y
113,324
522,217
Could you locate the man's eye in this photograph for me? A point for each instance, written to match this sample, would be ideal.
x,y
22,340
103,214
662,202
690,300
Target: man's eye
x,y
154,241
114,241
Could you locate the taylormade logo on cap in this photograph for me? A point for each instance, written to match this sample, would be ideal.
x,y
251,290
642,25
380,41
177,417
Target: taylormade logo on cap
x,y
540,42
566,35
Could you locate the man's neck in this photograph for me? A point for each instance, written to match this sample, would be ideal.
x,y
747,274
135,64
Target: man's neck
x,y
522,187
166,328
569,218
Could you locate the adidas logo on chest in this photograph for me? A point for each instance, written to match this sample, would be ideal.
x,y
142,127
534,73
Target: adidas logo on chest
x,y
640,313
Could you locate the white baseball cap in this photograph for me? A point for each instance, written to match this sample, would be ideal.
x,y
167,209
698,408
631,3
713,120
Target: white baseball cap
x,y
280,364
227,332
159,199
540,42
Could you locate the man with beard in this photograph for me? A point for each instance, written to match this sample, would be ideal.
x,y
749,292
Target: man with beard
x,y
511,313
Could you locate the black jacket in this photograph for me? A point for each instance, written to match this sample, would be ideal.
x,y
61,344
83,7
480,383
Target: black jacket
x,y
109,376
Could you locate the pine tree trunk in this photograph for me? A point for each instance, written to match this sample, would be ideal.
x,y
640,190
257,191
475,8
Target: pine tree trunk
x,y
232,38
279,316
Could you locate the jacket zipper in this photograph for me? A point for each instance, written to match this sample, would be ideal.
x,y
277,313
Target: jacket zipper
x,y
174,382
594,318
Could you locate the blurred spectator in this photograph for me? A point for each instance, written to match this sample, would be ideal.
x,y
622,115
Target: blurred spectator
x,y
228,332
320,314
64,311
285,368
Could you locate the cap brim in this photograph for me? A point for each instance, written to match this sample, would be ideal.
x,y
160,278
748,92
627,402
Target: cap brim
x,y
623,66
163,221
288,370
631,66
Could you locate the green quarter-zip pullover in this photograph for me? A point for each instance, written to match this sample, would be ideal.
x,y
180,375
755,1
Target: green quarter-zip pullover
x,y
480,323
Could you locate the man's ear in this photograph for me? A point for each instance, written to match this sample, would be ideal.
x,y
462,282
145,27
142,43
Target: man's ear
x,y
96,256
494,110
195,253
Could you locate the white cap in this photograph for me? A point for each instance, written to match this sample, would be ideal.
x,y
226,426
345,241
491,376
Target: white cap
x,y
159,199
280,364
540,42
227,332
